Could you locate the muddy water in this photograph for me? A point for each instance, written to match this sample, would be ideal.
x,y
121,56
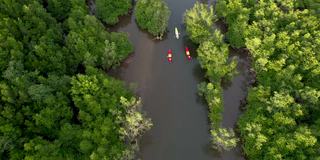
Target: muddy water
x,y
169,93
234,95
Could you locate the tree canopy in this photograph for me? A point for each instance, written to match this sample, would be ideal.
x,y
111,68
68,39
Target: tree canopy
x,y
213,54
56,101
199,22
282,115
109,10
213,57
153,16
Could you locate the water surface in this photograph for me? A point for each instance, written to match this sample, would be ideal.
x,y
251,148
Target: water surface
x,y
169,93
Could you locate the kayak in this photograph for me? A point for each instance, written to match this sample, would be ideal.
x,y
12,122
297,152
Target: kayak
x,y
176,32
188,54
169,56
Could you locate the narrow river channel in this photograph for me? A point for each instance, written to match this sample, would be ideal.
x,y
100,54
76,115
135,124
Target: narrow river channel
x,y
169,93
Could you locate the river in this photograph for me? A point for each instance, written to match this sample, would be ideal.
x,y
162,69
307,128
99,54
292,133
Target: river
x,y
169,93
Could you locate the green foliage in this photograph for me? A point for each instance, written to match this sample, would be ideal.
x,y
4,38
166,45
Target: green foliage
x,y
237,16
90,44
309,4
249,3
123,46
134,123
98,100
47,111
270,126
213,95
109,10
221,8
153,16
282,117
59,9
199,22
213,57
223,139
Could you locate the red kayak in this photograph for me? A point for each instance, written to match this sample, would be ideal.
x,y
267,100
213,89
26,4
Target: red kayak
x,y
169,55
188,54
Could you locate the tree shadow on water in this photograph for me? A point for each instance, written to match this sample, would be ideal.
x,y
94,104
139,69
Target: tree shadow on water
x,y
212,152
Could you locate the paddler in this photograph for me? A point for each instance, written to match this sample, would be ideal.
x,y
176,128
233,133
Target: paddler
x,y
169,55
188,53
176,32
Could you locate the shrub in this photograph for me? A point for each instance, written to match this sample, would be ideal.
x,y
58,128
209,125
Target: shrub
x,y
152,15
109,10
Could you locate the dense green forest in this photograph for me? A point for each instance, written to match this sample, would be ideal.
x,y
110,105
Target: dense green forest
x,y
56,101
282,117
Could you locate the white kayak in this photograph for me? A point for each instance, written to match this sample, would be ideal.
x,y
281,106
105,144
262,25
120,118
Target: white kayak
x,y
176,32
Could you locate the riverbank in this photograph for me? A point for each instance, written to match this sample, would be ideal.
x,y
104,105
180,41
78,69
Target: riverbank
x,y
169,93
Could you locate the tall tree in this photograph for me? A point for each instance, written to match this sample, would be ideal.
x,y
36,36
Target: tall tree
x,y
199,22
109,10
153,16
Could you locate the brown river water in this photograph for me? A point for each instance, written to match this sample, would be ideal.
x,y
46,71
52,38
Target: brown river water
x,y
169,92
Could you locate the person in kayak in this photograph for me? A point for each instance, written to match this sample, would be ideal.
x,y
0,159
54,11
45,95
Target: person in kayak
x,y
169,55
176,32
188,54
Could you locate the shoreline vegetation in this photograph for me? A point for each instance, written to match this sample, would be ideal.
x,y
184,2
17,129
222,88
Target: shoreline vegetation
x,y
213,56
281,118
109,11
152,16
56,100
